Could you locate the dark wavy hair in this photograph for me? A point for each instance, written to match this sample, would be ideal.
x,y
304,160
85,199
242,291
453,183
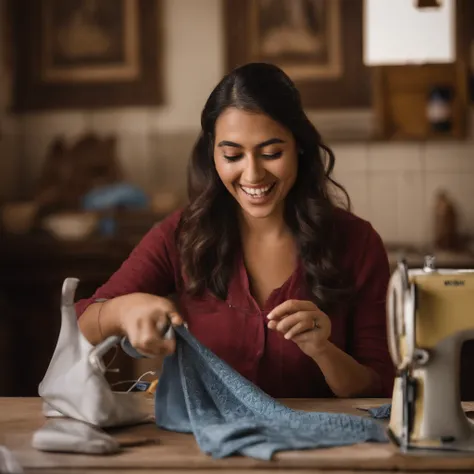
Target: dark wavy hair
x,y
208,235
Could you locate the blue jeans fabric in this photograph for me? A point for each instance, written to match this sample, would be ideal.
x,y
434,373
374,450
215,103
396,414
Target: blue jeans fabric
x,y
199,393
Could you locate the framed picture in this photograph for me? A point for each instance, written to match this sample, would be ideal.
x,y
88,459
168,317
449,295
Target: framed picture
x,y
318,43
87,53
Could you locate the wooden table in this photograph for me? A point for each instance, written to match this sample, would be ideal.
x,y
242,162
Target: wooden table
x,y
176,453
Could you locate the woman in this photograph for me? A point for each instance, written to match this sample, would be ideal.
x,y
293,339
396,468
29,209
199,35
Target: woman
x,y
266,271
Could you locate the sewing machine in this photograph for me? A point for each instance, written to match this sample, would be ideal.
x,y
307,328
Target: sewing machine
x,y
430,313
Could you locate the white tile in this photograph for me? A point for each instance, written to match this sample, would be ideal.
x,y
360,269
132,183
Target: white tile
x,y
450,157
383,204
50,124
350,157
395,156
356,186
412,218
133,151
120,121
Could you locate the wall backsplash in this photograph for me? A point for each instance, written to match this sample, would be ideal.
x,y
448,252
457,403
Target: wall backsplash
x,y
391,184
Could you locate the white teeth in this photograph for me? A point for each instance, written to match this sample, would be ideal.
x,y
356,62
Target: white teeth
x,y
257,191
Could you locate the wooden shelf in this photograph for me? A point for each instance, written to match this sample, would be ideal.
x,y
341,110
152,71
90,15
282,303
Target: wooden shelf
x,y
401,99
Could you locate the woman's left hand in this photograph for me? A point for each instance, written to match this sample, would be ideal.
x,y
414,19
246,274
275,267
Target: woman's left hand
x,y
304,323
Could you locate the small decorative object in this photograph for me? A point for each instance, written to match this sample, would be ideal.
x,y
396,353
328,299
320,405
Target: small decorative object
x,y
110,199
71,226
71,171
429,3
445,223
439,108
19,217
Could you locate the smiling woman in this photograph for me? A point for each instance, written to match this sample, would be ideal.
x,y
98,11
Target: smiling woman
x,y
258,171
267,271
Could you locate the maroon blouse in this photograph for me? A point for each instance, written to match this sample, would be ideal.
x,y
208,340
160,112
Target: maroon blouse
x,y
236,329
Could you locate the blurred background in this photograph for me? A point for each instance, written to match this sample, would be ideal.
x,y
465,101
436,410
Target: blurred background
x,y
100,105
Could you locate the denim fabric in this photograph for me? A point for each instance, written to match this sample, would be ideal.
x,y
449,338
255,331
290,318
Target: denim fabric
x,y
382,412
199,393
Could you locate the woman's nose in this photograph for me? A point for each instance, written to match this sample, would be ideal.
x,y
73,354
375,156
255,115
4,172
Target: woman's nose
x,y
254,172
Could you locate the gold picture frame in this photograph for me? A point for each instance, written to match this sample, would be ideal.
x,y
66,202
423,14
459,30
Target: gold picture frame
x,y
88,53
303,37
74,38
329,70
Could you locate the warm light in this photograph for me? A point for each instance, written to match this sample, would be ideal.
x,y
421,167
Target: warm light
x,y
397,32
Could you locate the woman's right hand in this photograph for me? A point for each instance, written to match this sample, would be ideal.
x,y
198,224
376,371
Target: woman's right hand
x,y
142,318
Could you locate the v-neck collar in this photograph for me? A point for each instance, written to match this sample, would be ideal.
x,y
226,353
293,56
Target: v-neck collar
x,y
241,278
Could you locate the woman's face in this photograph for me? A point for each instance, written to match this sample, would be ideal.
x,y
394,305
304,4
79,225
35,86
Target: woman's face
x,y
256,159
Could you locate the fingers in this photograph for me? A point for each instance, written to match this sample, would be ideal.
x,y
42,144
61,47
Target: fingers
x,y
290,307
294,324
170,311
149,328
147,339
175,318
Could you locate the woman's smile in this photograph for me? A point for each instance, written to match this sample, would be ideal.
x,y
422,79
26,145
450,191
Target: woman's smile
x,y
258,195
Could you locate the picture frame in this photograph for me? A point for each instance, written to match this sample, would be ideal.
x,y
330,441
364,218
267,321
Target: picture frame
x,y
87,53
318,43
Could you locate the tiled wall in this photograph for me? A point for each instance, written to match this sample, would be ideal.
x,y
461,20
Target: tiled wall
x,y
394,185
391,184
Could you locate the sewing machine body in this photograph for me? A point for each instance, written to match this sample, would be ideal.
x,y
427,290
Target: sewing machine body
x,y
430,315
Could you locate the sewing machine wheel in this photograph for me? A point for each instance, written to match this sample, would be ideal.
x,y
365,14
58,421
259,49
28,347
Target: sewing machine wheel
x,y
401,317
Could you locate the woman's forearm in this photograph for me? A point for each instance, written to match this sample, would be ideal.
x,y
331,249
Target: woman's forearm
x,y
100,320
345,376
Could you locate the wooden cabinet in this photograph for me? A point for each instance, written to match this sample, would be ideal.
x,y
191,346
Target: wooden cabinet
x,y
401,93
32,271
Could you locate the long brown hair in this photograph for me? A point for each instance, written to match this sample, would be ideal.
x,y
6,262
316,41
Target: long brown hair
x,y
208,234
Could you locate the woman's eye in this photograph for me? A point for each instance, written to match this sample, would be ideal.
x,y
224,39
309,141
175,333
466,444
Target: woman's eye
x,y
232,157
272,156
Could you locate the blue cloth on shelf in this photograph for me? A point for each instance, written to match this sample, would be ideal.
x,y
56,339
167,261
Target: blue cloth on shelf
x,y
115,195
382,412
199,393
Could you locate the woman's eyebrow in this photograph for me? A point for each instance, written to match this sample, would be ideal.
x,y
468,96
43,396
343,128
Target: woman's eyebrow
x,y
271,141
227,143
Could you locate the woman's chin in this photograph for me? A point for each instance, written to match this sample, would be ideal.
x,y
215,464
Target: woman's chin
x,y
259,212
